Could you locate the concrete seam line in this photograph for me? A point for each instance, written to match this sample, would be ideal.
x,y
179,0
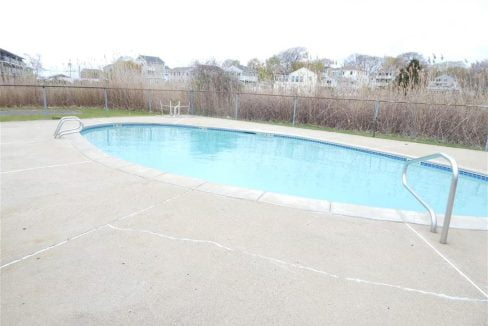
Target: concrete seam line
x,y
294,265
262,194
23,142
448,261
94,229
46,167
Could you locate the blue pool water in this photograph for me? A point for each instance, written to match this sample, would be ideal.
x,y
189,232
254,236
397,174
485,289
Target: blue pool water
x,y
288,165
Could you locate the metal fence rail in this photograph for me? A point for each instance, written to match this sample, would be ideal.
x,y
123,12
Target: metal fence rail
x,y
244,93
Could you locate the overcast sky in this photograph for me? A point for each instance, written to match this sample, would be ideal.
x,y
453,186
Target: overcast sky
x,y
92,33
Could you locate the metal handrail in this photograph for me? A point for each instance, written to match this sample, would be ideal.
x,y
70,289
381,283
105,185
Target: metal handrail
x,y
174,110
58,133
450,199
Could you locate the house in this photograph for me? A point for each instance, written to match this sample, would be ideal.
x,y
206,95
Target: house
x,y
152,68
242,73
302,79
383,78
347,77
180,74
327,81
351,73
11,65
91,74
443,83
304,76
60,78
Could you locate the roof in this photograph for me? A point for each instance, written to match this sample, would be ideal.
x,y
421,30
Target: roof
x,y
58,76
124,58
150,59
351,67
245,70
181,69
10,54
301,71
209,68
90,70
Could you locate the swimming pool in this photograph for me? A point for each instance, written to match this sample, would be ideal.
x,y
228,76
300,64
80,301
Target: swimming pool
x,y
289,165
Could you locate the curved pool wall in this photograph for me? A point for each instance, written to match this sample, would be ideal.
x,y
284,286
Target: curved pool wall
x,y
290,165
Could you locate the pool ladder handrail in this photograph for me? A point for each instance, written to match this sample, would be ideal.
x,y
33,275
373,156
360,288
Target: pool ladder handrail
x,y
450,199
174,110
58,133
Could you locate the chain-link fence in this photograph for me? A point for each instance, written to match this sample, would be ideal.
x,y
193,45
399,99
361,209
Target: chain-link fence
x,y
449,123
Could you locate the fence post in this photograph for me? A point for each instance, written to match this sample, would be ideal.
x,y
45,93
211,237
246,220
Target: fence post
x,y
295,102
375,116
190,101
105,107
44,97
150,101
237,106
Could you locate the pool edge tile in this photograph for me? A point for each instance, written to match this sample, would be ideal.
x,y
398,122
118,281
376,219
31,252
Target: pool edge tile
x,y
376,213
230,191
179,180
304,203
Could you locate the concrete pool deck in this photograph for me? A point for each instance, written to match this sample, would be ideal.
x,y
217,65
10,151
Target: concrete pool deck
x,y
87,243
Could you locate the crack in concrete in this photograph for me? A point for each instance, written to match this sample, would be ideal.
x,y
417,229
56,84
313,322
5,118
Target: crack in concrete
x,y
297,266
96,228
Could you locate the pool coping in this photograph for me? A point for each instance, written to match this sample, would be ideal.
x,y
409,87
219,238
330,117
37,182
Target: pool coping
x,y
301,203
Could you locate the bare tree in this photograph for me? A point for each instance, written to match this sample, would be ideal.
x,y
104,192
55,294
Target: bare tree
x,y
34,62
367,63
290,57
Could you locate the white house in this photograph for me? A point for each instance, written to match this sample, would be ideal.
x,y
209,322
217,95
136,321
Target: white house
x,y
11,65
60,78
180,74
242,73
443,83
347,77
152,68
91,74
302,79
327,81
383,78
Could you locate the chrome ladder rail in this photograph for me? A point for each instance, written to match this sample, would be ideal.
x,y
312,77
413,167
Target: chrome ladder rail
x,y
450,199
58,133
174,110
